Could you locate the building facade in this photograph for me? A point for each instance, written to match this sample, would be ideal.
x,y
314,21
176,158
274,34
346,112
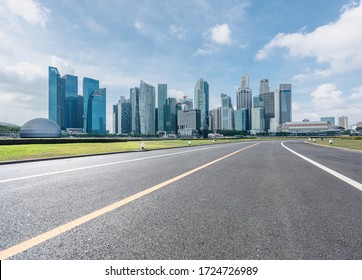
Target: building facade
x,y
161,102
71,101
343,122
188,122
201,98
96,112
147,99
244,97
241,119
56,97
227,113
215,119
89,86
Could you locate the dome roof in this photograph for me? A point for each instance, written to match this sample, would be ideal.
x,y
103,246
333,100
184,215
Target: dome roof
x,y
40,128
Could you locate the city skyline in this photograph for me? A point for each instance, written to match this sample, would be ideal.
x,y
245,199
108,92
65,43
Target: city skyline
x,y
229,40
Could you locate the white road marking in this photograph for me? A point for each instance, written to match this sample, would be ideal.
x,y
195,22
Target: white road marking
x,y
101,165
340,176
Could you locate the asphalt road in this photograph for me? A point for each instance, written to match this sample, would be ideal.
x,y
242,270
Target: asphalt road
x,y
263,202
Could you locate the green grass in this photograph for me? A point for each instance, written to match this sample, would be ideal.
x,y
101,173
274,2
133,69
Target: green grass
x,y
344,142
19,152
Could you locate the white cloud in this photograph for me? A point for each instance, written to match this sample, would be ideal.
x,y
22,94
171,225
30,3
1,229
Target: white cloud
x,y
177,32
139,25
337,44
27,71
221,34
29,10
356,94
206,49
328,101
95,27
178,94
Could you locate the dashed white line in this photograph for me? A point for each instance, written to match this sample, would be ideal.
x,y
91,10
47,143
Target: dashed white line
x,y
340,176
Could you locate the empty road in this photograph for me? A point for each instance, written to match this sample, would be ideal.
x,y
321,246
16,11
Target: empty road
x,y
255,200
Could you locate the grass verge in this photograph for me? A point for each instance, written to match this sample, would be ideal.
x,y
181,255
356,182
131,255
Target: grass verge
x,y
32,151
355,144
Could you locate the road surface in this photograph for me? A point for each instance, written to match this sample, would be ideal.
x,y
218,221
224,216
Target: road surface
x,y
255,200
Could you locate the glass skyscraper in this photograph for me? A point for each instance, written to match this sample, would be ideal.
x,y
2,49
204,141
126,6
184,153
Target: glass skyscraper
x,y
96,112
89,86
56,97
147,98
170,114
244,98
71,101
161,102
135,96
285,92
227,113
201,98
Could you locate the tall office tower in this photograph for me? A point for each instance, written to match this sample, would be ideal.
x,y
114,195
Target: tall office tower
x,y
227,113
96,112
268,108
122,116
71,101
201,94
186,104
170,113
147,98
215,118
285,91
161,102
134,96
244,98
56,97
89,86
330,120
264,86
80,111
241,119
275,121
115,118
258,101
257,116
343,122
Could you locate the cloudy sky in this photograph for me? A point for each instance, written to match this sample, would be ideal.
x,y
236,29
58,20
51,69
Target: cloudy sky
x,y
316,45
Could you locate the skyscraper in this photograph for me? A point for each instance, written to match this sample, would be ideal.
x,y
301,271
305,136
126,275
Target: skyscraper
x,y
134,96
147,109
186,104
257,116
89,86
170,114
285,91
227,113
122,116
115,118
343,122
96,112
268,108
56,97
215,119
161,102
201,98
241,119
244,98
264,86
71,101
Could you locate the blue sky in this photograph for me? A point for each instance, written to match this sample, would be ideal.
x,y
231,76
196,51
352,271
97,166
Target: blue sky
x,y
314,45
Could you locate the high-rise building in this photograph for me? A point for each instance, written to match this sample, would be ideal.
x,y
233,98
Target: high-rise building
x,y
89,86
264,86
285,91
122,116
56,97
215,119
80,116
227,113
71,101
161,102
188,122
170,113
257,116
343,122
115,118
241,119
244,98
134,96
201,91
147,98
96,112
268,99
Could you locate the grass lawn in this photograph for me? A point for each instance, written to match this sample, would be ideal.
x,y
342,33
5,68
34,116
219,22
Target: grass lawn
x,y
18,152
342,142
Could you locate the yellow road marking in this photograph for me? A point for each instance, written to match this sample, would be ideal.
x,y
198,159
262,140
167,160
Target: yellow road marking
x,y
21,247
